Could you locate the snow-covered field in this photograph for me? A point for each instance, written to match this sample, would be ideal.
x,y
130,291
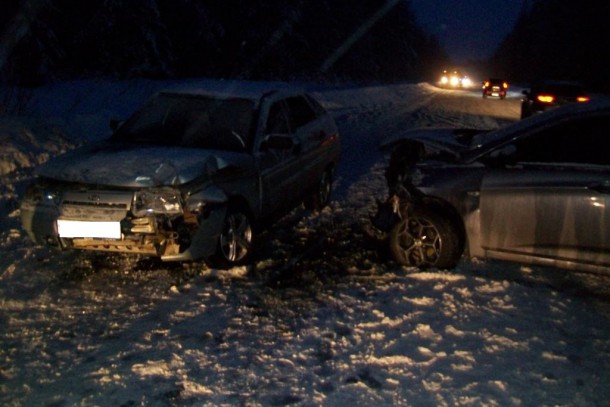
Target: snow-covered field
x,y
320,319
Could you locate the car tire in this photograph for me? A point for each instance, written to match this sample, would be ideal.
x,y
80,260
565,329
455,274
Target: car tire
x,y
525,111
321,196
425,239
235,242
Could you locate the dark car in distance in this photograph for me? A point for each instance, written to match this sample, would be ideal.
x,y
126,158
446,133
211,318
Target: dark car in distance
x,y
495,87
550,94
534,192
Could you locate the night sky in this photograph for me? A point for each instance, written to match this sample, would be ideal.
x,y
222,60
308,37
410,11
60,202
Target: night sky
x,y
468,29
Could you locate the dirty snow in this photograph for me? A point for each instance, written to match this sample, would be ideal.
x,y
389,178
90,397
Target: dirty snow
x,y
320,319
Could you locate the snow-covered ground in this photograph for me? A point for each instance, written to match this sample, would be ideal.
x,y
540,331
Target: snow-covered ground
x,y
321,318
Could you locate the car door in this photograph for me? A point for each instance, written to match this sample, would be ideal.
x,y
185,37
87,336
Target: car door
x,y
552,201
279,166
309,132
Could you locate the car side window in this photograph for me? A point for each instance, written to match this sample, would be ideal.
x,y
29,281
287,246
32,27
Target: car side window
x,y
315,105
583,141
277,121
300,111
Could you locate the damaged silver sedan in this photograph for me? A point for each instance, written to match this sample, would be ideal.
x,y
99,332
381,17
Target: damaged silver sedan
x,y
190,175
535,192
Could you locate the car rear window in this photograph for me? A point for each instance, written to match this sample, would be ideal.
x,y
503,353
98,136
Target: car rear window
x,y
565,90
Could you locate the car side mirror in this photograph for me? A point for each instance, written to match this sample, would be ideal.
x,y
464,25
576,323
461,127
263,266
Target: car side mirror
x,y
277,142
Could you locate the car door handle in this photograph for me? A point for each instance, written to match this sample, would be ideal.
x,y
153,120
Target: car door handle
x,y
602,188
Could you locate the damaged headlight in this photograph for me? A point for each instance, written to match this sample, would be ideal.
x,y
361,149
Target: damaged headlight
x,y
40,193
157,202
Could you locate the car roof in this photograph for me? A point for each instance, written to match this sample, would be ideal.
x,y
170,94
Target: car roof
x,y
241,90
485,142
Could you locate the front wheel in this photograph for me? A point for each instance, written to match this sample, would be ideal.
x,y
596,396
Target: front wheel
x,y
321,196
424,239
234,242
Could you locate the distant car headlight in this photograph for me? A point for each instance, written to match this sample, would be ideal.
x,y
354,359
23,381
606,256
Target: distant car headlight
x,y
156,201
444,80
466,82
454,81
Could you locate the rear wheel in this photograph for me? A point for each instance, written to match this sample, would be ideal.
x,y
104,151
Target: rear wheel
x,y
321,196
425,239
235,240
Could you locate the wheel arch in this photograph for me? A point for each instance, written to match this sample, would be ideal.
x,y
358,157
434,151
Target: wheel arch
x,y
239,202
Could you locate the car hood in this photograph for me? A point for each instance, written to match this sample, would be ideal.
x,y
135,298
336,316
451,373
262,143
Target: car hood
x,y
125,165
453,141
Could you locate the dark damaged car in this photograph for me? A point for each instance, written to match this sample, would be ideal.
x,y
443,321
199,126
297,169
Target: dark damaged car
x,y
192,174
548,95
534,192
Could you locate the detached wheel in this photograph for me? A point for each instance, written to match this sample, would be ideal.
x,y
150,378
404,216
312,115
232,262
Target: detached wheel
x,y
425,239
321,196
235,240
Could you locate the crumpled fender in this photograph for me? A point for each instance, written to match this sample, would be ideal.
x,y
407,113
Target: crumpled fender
x,y
205,240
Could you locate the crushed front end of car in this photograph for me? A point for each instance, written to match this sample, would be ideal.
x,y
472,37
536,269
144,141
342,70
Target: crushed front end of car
x,y
418,220
158,221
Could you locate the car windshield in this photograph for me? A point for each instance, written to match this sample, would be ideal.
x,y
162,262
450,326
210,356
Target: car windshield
x,y
190,121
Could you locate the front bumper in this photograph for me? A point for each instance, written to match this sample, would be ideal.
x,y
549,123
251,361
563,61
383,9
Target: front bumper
x,y
176,237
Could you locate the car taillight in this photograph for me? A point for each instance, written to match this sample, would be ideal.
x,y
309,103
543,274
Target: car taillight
x,y
546,98
582,99
505,85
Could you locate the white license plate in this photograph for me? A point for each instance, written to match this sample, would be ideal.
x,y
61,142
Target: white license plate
x,y
77,228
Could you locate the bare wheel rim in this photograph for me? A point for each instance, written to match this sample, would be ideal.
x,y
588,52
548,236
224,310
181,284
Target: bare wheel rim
x,y
236,237
420,242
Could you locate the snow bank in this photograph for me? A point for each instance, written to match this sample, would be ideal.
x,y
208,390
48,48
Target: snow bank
x,y
27,142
